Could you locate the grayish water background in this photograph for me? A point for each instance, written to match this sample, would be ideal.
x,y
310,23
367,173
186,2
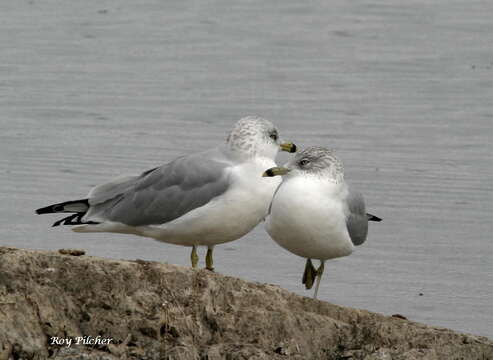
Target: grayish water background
x,y
90,90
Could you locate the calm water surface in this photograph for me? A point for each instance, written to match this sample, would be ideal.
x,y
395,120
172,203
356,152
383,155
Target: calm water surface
x,y
90,90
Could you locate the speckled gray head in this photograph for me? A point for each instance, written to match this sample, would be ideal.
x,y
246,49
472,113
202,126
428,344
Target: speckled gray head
x,y
256,136
313,161
318,160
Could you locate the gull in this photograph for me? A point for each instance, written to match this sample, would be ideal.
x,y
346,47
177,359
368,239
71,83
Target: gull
x,y
202,199
314,214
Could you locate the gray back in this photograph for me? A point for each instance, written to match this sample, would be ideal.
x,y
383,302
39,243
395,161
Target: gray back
x,y
162,194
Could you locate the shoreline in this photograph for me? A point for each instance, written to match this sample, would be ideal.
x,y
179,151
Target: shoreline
x,y
149,310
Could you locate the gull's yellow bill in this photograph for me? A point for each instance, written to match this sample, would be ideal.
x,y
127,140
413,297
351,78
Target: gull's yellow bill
x,y
288,146
278,170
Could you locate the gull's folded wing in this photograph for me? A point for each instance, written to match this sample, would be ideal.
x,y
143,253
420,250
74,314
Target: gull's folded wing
x,y
161,194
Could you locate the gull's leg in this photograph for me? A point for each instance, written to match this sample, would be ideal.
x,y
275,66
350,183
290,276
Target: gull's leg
x,y
309,274
318,274
194,258
209,262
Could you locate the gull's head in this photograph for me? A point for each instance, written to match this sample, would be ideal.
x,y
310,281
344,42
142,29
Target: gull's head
x,y
314,161
256,136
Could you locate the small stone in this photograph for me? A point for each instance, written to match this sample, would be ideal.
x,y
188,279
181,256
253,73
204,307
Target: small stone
x,y
399,316
281,350
72,252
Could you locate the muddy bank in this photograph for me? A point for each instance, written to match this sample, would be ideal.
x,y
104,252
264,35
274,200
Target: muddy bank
x,y
61,306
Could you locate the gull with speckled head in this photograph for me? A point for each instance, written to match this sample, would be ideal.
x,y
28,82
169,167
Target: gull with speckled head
x,y
314,214
203,199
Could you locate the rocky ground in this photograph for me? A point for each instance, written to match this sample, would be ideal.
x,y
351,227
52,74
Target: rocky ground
x,y
147,310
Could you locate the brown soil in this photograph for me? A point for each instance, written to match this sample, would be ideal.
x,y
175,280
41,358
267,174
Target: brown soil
x,y
149,310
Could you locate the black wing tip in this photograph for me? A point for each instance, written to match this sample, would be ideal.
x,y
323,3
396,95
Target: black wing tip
x,y
55,208
373,218
74,219
45,210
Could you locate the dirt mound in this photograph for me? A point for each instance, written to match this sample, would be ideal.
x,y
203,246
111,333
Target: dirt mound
x,y
61,306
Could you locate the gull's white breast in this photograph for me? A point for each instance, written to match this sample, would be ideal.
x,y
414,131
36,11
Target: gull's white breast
x,y
308,218
228,216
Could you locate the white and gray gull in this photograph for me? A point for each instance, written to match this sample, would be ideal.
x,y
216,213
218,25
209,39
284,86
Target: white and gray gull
x,y
314,214
203,199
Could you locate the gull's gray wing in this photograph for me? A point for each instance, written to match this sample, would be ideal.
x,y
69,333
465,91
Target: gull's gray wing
x,y
164,193
357,220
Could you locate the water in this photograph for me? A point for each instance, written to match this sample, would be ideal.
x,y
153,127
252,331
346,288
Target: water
x,y
90,90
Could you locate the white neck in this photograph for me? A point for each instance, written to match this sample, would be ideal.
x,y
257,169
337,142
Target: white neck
x,y
249,149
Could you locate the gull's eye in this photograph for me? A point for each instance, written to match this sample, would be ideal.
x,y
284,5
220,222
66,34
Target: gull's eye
x,y
274,136
304,162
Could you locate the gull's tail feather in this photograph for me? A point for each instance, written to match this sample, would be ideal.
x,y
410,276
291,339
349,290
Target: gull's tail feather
x,y
79,207
371,217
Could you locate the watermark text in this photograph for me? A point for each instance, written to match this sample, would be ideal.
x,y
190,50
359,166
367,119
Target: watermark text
x,y
80,340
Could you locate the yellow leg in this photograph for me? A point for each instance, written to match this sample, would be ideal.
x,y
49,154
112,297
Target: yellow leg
x,y
209,262
309,274
194,258
319,273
